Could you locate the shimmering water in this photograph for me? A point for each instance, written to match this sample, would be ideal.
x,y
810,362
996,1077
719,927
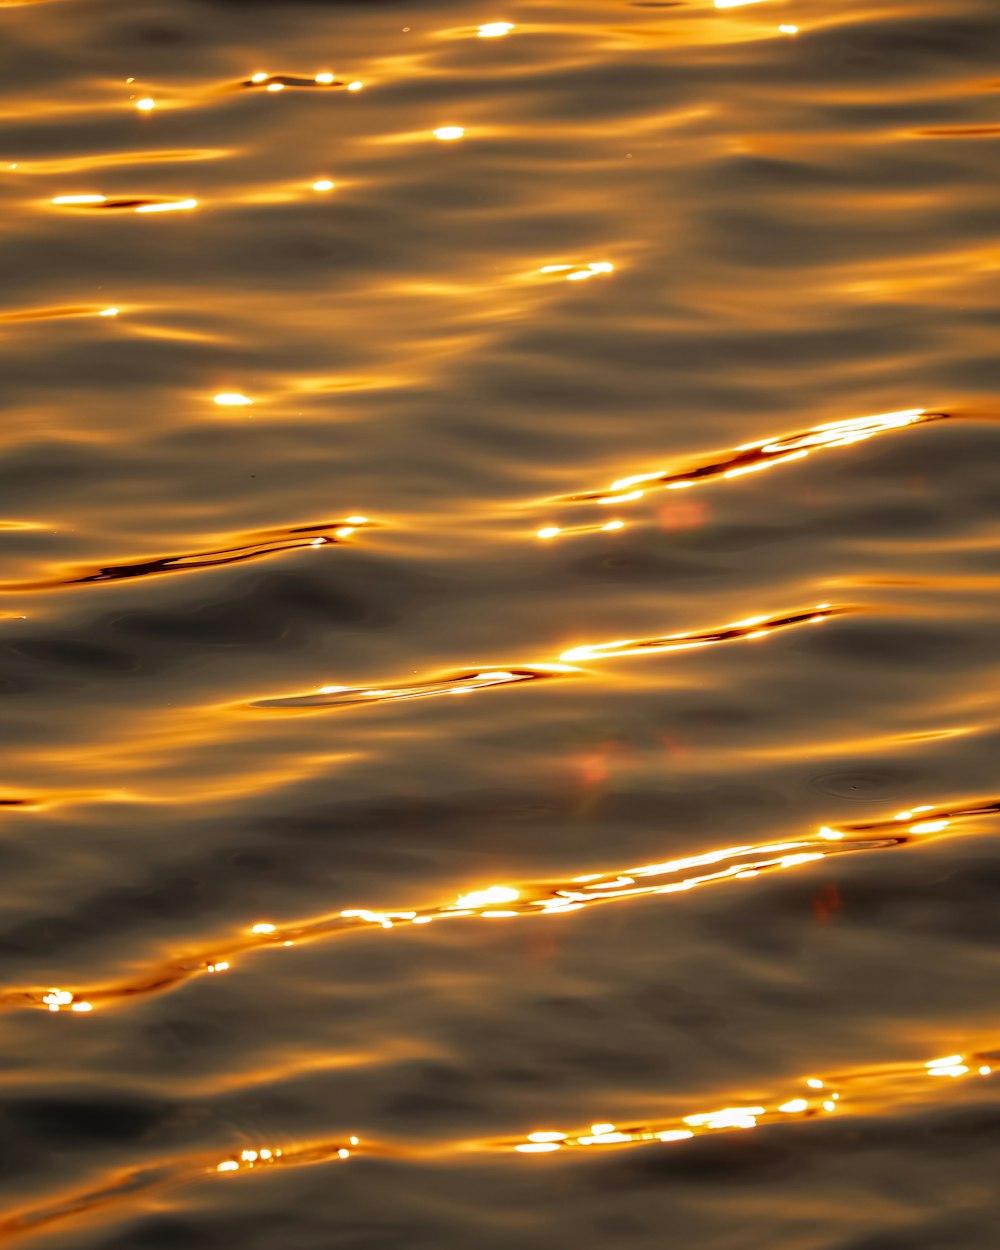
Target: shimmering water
x,y
498,611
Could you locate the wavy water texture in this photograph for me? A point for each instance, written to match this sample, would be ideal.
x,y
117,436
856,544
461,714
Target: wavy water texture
x,y
532,285
888,1090
472,681
768,453
504,902
248,547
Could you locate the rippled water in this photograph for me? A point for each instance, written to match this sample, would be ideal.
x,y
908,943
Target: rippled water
x,y
642,357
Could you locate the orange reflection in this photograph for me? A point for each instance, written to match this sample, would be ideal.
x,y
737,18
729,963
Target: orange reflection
x,y
867,1091
472,681
144,204
51,314
884,1090
463,681
250,547
498,902
752,627
756,457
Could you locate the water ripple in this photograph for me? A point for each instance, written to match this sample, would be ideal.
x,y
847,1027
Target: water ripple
x,y
531,899
250,547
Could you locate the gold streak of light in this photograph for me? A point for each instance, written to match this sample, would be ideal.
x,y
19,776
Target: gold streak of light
x,y
55,313
172,206
580,271
495,30
476,680
739,630
714,867
877,1090
756,457
881,1090
241,548
103,160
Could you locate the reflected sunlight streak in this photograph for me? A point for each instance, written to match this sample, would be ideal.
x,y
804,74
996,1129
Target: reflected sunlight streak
x,y
741,863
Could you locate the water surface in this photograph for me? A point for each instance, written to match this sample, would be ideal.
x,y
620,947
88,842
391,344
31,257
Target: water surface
x,y
498,631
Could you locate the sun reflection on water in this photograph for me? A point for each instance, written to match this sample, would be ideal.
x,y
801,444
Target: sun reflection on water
x,y
755,457
740,863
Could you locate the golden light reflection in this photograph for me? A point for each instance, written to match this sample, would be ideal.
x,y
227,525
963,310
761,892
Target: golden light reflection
x,y
740,863
869,1091
884,1090
133,204
51,314
495,30
244,547
755,457
579,272
231,399
171,206
145,105
449,133
473,681
751,628
462,681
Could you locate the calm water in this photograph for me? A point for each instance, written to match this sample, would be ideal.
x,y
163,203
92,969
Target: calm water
x,y
557,693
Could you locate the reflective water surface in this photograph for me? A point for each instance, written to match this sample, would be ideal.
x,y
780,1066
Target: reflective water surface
x,y
627,371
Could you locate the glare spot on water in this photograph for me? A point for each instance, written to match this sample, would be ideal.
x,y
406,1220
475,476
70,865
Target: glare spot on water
x,y
448,133
495,30
231,399
494,894
170,207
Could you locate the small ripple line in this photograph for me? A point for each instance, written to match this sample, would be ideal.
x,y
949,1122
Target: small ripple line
x,y
767,453
870,1090
251,547
489,677
883,1090
500,902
